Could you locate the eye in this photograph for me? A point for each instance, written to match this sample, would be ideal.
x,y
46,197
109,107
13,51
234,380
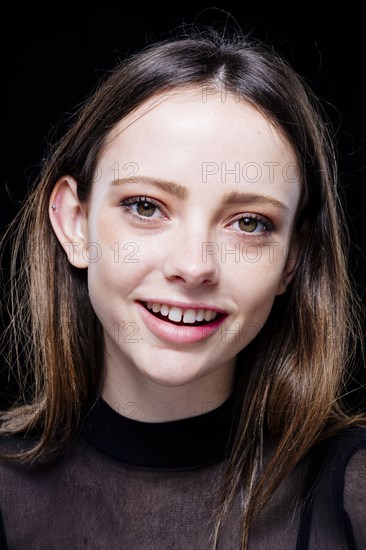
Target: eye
x,y
142,207
252,223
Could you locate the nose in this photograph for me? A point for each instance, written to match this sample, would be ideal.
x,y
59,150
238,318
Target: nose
x,y
186,262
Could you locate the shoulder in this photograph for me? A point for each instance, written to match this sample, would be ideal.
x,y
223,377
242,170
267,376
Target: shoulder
x,y
344,480
346,456
342,454
12,445
350,438
13,449
354,488
335,452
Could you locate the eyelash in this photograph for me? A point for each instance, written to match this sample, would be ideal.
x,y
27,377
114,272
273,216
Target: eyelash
x,y
268,226
128,203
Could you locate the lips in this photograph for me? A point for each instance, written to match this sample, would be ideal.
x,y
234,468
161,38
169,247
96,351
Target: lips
x,y
179,331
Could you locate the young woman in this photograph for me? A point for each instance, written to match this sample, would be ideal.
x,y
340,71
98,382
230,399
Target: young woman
x,y
182,318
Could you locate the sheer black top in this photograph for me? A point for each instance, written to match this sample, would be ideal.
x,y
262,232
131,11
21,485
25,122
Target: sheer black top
x,y
131,485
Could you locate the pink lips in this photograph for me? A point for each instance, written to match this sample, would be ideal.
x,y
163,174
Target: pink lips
x,y
180,334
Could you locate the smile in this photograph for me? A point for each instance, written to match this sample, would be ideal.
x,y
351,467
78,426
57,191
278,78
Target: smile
x,y
184,325
179,315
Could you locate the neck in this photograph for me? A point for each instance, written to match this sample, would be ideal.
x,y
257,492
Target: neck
x,y
141,398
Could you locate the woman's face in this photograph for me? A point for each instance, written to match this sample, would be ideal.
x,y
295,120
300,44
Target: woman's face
x,y
188,231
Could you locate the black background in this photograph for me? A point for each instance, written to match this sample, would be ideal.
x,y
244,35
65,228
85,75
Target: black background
x,y
56,53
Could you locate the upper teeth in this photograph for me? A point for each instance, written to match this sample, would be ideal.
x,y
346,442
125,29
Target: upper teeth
x,y
176,313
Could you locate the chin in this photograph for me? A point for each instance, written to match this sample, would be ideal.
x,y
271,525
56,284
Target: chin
x,y
172,373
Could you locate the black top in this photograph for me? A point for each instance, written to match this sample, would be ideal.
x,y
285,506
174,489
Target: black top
x,y
187,443
131,485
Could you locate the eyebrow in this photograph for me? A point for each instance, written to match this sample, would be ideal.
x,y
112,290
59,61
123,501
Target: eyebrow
x,y
169,186
233,197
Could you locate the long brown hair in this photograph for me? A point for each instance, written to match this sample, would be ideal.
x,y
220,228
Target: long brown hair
x,y
298,361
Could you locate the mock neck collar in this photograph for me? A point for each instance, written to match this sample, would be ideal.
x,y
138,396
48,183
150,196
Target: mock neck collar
x,y
179,444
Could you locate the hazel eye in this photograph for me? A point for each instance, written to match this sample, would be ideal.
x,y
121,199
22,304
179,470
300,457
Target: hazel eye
x,y
248,224
253,224
145,208
142,208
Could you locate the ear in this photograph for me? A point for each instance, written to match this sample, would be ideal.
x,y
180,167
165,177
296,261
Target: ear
x,y
69,220
291,264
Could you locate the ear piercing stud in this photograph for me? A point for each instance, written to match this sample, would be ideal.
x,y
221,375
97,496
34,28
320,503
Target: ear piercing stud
x,y
53,207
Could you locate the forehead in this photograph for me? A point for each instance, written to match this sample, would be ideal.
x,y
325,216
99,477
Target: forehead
x,y
191,113
184,136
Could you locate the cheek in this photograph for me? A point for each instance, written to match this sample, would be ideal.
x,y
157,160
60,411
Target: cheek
x,y
102,228
255,265
110,284
255,284
118,243
116,273
100,284
256,293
